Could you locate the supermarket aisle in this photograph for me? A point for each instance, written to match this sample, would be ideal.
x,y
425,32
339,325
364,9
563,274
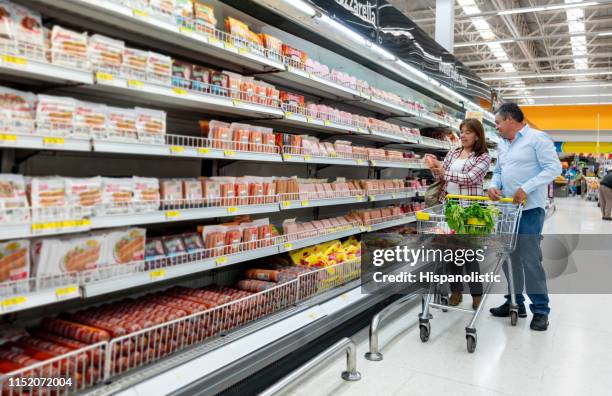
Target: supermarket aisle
x,y
571,358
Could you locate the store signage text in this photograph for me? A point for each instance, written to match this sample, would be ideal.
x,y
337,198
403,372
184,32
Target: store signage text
x,y
451,71
364,11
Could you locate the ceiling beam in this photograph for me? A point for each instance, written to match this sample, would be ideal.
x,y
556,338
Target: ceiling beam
x,y
563,73
510,40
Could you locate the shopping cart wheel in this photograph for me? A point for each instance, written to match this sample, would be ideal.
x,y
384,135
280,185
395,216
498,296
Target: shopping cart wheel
x,y
424,331
444,301
471,343
513,317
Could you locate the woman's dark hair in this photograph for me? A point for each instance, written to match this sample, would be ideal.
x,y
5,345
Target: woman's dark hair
x,y
475,126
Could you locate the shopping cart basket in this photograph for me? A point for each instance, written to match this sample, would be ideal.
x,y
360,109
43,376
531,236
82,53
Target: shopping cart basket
x,y
504,238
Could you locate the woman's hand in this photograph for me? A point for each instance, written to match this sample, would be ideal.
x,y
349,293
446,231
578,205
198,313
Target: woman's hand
x,y
438,171
432,162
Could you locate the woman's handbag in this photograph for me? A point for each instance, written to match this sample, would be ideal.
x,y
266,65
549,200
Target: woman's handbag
x,y
432,194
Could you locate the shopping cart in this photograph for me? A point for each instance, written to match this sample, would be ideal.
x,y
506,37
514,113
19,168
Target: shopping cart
x,y
502,238
592,191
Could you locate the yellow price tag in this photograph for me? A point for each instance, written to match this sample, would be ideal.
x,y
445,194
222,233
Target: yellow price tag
x,y
177,149
140,13
229,46
179,91
373,162
333,154
359,198
66,292
344,296
104,76
287,156
372,197
157,274
135,83
185,29
213,40
312,316
288,114
237,103
14,60
305,202
60,224
53,141
286,204
326,122
244,50
309,119
229,153
203,150
360,129
8,138
393,196
173,214
307,158
13,303
290,69
288,246
360,162
232,209
221,260
363,228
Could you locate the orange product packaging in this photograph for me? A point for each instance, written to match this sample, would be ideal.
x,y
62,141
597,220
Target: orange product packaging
x,y
227,194
15,261
291,99
249,236
233,239
272,44
267,139
247,90
240,135
171,191
192,192
218,133
255,140
256,192
234,84
296,57
241,191
269,191
204,16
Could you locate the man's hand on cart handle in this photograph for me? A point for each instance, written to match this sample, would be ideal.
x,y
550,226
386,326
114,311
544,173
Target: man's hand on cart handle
x,y
494,193
520,196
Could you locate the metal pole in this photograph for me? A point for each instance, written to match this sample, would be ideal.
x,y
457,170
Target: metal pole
x,y
351,373
374,353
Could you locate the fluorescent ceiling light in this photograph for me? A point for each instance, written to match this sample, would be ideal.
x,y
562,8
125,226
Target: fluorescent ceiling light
x,y
533,87
594,73
520,11
557,96
605,34
302,7
570,5
547,8
354,36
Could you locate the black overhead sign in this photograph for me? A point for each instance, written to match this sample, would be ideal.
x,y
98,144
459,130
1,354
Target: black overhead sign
x,y
382,23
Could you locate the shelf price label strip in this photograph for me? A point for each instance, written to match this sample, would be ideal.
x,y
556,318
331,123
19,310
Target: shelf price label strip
x,y
56,225
66,292
13,303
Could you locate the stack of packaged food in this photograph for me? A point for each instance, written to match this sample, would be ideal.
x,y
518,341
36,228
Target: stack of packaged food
x,y
238,136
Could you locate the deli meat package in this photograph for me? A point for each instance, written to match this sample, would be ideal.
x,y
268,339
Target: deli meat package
x,y
106,54
117,195
17,111
121,124
14,206
55,115
125,246
14,261
89,120
48,198
146,194
28,32
159,68
69,48
134,64
56,256
84,195
151,125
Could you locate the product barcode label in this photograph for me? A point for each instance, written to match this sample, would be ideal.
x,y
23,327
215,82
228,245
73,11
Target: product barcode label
x,y
286,204
305,202
232,209
177,149
14,60
327,122
13,303
135,83
309,119
229,153
140,13
173,214
288,245
237,103
307,158
53,141
360,162
179,91
288,114
104,76
7,138
287,156
203,150
373,162
359,198
221,260
66,292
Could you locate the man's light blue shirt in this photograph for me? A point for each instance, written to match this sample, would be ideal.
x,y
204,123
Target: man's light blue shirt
x,y
529,162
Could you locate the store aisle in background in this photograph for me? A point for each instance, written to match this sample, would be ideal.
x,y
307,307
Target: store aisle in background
x,y
572,357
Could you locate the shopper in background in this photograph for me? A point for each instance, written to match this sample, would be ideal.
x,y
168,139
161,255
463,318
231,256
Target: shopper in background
x,y
463,172
571,176
526,164
605,196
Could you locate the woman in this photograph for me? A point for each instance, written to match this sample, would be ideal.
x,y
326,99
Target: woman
x,y
463,172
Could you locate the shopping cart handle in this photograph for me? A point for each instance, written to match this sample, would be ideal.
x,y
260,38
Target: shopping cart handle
x,y
477,198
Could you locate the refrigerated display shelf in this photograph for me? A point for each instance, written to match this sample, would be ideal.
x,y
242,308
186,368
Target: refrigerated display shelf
x,y
312,203
391,196
28,300
35,70
35,142
312,159
419,164
291,119
380,136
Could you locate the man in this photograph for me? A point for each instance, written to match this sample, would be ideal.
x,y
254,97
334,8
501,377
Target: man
x,y
527,163
605,196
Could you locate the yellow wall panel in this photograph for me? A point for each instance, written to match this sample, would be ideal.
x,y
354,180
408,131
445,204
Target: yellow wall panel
x,y
569,118
586,147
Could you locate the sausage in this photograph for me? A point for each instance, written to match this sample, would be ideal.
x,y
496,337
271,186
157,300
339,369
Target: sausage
x,y
79,332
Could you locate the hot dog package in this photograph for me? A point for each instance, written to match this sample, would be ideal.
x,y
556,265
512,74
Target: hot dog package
x,y
63,255
14,261
125,246
14,206
84,194
17,111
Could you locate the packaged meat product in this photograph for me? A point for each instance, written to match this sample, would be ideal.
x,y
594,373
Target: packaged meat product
x,y
48,197
204,16
295,57
263,274
255,141
28,31
54,115
273,45
192,192
7,25
183,10
163,8
121,124
211,190
125,246
255,286
89,120
200,78
17,110
218,133
151,125
250,235
181,74
256,192
135,64
69,48
15,261
247,90
267,140
291,99
193,242
241,192
84,195
159,69
60,256
269,191
106,54
174,246
214,240
171,192
154,250
240,135
117,195
13,199
146,194
78,332
233,238
234,84
227,194
219,83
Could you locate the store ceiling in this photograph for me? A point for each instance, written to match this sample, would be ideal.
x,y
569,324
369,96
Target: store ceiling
x,y
532,51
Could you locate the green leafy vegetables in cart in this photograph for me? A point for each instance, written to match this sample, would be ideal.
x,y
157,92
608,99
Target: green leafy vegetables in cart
x,y
481,217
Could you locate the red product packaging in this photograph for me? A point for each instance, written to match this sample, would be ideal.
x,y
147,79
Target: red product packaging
x,y
227,194
240,136
233,238
267,139
255,140
241,192
79,332
256,193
